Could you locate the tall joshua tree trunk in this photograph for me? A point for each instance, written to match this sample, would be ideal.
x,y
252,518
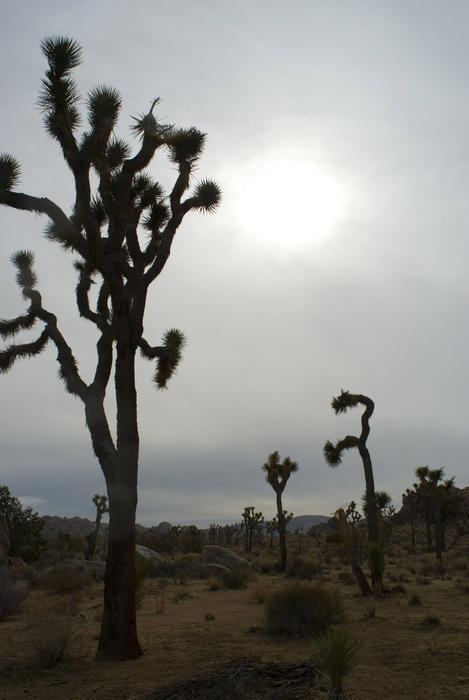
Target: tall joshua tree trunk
x,y
333,455
121,235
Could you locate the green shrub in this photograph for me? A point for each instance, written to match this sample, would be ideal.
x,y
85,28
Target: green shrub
x,y
303,567
338,657
303,609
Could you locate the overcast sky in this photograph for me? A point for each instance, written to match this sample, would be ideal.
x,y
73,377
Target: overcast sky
x,y
338,131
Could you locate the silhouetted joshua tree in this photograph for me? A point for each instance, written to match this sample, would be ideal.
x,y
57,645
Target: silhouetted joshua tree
x,y
101,508
438,502
252,523
277,474
333,453
121,233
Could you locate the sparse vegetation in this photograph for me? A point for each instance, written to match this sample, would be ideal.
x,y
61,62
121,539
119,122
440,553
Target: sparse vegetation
x,y
49,639
338,654
302,609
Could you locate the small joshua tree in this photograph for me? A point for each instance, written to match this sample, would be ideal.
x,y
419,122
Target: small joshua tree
x,y
252,522
277,475
121,233
101,508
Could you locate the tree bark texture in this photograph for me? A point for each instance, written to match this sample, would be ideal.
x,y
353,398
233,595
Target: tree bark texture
x,y
281,532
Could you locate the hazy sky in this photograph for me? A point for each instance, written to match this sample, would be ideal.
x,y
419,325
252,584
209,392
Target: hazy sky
x,y
338,131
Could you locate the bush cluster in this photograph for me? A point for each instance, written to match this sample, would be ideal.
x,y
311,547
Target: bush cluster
x,y
302,609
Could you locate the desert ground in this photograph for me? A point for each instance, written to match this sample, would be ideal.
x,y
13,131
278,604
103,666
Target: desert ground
x,y
414,640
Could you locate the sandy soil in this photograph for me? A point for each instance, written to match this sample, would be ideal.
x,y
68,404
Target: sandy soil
x,y
183,637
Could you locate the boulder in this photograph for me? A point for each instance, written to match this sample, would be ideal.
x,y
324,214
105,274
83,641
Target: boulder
x,y
213,554
161,566
90,570
19,569
213,569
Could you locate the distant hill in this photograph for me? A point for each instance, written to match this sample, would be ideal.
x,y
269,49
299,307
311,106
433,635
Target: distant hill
x,y
79,527
304,522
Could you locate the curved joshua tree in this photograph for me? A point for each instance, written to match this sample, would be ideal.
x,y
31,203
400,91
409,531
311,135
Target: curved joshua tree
x,y
333,453
277,474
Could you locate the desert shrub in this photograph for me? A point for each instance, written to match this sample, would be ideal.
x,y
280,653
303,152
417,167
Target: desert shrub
x,y
303,609
259,591
338,654
266,562
65,579
235,578
49,639
11,595
398,575
415,599
303,567
143,567
186,566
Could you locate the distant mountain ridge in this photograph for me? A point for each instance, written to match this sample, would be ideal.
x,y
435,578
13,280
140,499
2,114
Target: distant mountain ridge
x,y
80,527
305,522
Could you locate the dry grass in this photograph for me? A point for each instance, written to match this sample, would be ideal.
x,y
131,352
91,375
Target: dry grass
x,y
404,653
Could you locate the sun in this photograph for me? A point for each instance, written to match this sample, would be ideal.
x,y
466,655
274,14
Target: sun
x,y
289,203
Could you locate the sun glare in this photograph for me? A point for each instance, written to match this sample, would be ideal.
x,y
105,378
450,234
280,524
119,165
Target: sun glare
x,y
290,204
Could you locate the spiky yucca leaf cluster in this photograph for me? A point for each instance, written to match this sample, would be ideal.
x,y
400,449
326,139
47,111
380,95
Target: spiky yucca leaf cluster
x,y
277,471
156,217
185,145
332,454
168,360
9,171
338,654
103,105
117,151
25,277
346,400
99,212
59,93
208,194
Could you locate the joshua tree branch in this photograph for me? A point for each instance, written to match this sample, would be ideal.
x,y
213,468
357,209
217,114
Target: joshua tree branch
x,y
42,205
